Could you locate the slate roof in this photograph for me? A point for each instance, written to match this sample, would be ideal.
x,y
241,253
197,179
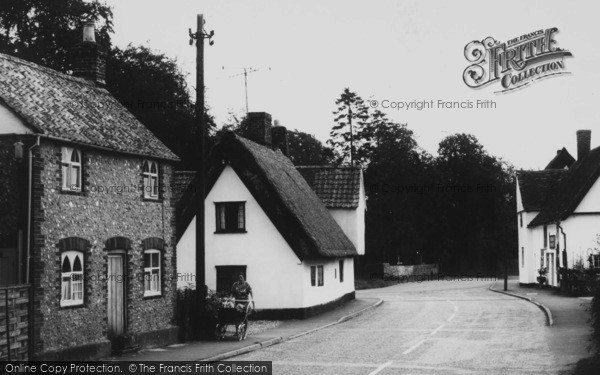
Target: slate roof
x,y
73,109
536,187
571,191
337,187
562,160
281,191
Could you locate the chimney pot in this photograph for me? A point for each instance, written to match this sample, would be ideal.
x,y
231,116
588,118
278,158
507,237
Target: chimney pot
x,y
259,127
584,138
89,58
279,135
89,33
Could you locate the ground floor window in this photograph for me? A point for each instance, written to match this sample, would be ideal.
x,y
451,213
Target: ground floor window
x,y
341,270
316,275
596,261
152,272
71,278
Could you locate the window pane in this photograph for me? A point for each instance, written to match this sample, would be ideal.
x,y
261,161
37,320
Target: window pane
x,y
75,156
155,260
222,217
153,169
341,271
74,176
147,277
147,260
66,266
312,275
66,287
320,275
145,167
77,265
154,183
65,176
241,224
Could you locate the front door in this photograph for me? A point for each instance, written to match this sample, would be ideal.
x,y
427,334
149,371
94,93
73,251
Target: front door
x,y
116,295
227,275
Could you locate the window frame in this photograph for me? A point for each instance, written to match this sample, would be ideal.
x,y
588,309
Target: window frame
x,y
521,219
71,256
150,180
67,166
341,266
235,208
596,261
317,275
545,236
150,270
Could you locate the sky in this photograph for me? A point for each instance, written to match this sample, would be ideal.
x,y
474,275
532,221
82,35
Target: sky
x,y
307,52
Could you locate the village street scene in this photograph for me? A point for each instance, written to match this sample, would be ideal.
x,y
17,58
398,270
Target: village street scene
x,y
298,188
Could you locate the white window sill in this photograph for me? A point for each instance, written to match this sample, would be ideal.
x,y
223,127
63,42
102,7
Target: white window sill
x,y
66,303
152,294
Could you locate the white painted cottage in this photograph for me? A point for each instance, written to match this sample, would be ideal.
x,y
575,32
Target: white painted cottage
x,y
558,214
264,220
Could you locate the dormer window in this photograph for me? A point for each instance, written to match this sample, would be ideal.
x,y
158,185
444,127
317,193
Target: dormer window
x,y
150,174
71,169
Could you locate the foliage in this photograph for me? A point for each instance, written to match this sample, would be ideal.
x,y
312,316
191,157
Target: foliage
x,y
347,134
44,31
153,88
303,148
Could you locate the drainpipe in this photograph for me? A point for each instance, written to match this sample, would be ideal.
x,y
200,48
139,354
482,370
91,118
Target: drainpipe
x,y
29,207
564,246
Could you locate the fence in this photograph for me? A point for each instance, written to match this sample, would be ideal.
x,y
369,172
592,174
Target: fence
x,y
14,323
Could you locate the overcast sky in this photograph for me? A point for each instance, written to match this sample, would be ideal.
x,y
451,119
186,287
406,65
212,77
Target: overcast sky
x,y
307,52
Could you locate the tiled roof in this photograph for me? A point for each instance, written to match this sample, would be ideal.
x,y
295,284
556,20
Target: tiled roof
x,y
73,109
281,191
537,186
338,187
562,160
571,190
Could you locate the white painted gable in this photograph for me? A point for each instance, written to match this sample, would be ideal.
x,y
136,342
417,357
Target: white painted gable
x,y
11,124
591,201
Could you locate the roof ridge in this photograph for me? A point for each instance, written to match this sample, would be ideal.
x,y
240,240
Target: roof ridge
x,y
48,70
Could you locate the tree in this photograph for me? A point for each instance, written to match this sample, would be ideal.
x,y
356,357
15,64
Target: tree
x,y
44,31
345,136
154,89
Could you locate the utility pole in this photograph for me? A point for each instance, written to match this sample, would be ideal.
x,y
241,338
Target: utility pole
x,y
199,37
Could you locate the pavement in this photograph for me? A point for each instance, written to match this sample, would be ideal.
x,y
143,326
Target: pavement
x,y
569,317
219,350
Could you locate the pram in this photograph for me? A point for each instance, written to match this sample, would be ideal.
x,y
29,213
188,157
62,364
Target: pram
x,y
237,316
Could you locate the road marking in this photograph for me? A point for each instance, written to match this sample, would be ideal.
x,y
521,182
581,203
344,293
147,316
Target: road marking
x,y
378,369
414,347
455,311
436,330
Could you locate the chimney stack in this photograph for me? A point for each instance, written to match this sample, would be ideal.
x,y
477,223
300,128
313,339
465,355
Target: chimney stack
x,y
89,58
259,127
279,135
584,138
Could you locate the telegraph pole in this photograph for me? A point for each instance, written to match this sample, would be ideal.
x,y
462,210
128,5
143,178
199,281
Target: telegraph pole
x,y
199,37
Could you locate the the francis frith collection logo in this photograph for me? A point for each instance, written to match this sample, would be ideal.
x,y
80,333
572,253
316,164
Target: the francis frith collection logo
x,y
516,63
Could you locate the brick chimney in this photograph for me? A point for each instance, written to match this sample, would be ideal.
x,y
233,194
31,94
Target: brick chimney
x,y
89,58
279,135
259,127
584,138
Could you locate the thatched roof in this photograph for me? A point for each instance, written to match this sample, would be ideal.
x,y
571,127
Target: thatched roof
x,y
337,187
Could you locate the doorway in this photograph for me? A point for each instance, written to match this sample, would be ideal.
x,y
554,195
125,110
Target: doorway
x,y
117,323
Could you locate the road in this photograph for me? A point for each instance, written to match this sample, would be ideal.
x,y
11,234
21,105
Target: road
x,y
434,327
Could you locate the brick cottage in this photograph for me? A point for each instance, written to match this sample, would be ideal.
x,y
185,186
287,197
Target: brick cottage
x,y
86,217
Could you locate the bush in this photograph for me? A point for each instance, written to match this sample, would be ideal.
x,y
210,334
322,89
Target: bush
x,y
596,317
186,317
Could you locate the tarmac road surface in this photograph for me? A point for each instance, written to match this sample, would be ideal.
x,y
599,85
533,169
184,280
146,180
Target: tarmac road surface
x,y
433,327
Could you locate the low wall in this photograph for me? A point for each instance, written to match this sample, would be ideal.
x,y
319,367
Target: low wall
x,y
388,271
17,315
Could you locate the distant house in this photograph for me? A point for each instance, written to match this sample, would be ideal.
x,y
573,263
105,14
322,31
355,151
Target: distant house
x,y
264,220
558,214
86,219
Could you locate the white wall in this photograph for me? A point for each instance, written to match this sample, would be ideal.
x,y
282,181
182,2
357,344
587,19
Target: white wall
x,y
352,221
278,278
528,265
332,287
591,201
11,124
